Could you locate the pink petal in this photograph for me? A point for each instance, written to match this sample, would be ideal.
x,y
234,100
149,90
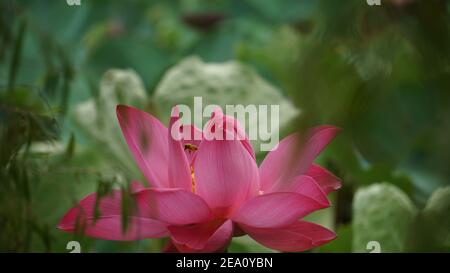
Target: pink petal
x,y
318,138
225,175
276,209
174,206
147,140
326,180
207,237
307,186
179,169
278,162
228,128
108,223
299,236
291,159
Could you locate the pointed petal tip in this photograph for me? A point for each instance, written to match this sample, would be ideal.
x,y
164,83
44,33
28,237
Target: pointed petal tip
x,y
332,236
335,129
323,204
120,108
338,186
121,112
326,204
65,224
64,228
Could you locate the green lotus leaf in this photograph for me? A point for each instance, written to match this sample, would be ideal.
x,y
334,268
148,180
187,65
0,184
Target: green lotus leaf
x,y
382,214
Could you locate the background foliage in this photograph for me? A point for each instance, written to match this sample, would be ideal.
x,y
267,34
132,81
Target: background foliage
x,y
380,72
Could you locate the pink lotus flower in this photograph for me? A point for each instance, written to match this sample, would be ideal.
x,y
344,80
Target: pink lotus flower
x,y
205,192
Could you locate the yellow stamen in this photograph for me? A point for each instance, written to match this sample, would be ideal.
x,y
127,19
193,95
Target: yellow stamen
x,y
193,179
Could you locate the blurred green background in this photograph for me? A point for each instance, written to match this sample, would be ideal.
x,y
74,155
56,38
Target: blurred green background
x,y
382,73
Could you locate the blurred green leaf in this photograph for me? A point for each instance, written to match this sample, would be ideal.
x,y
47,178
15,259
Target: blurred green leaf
x,y
70,150
16,56
382,213
435,221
